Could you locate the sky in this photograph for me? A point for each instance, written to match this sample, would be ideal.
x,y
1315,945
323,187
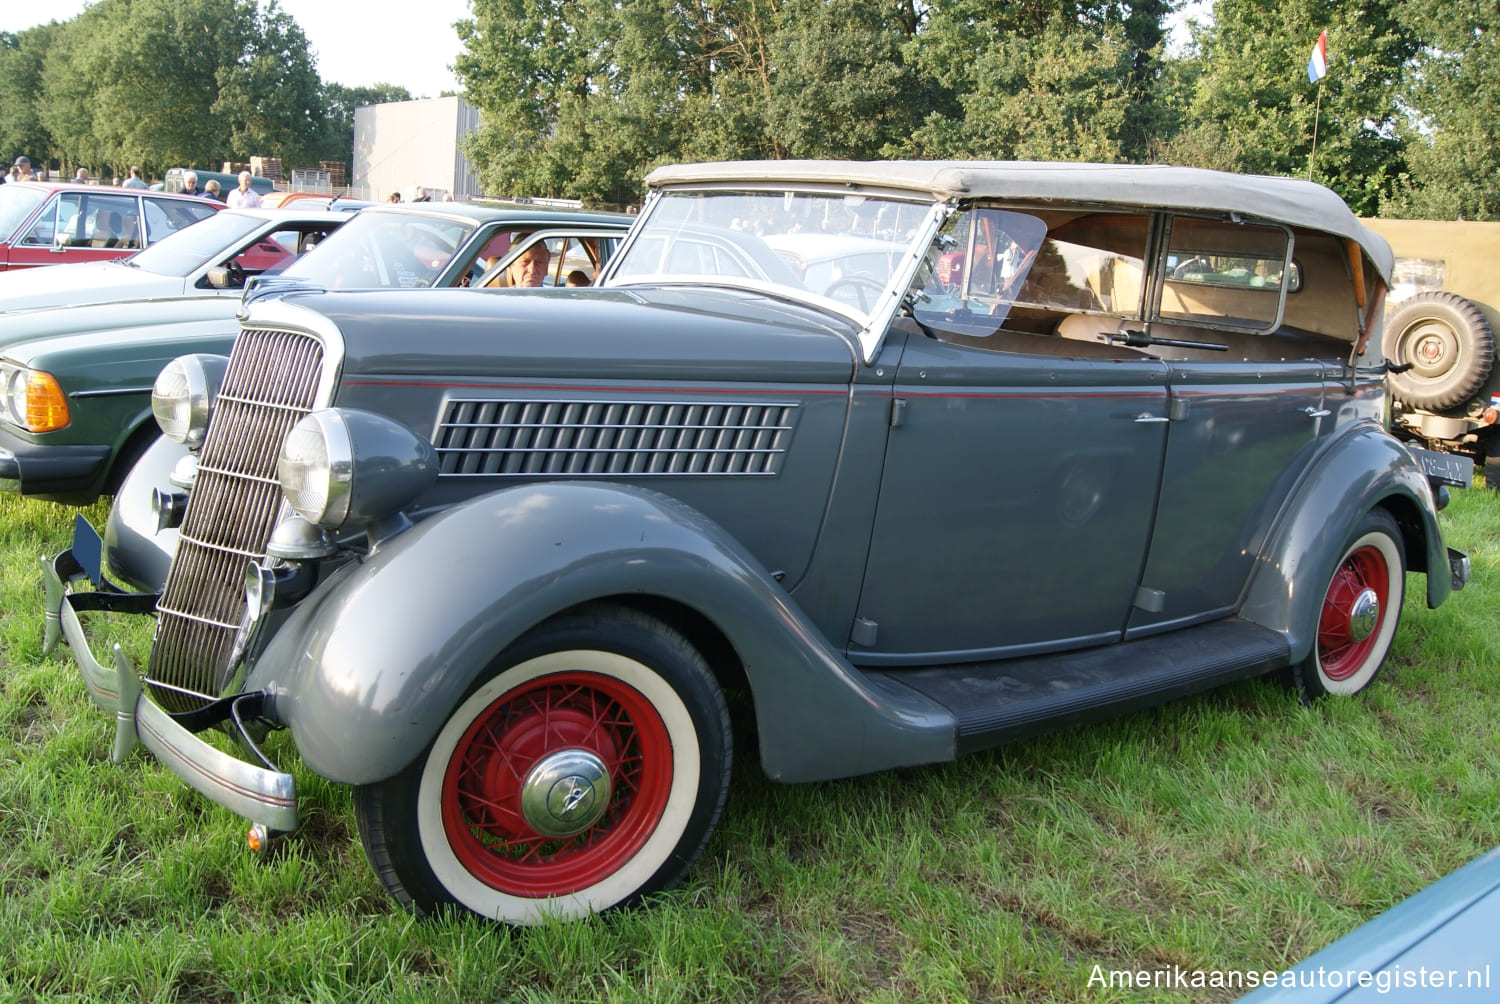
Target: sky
x,y
377,42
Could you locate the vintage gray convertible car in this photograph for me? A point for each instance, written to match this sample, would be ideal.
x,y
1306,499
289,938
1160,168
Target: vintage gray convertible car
x,y
926,457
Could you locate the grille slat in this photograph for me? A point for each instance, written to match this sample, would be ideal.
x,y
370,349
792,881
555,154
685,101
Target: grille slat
x,y
270,384
600,438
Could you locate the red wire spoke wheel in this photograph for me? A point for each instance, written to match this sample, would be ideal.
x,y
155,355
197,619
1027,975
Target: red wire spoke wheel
x,y
585,769
557,784
1360,610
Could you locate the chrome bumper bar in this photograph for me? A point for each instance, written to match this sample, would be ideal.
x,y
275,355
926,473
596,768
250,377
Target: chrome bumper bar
x,y
258,794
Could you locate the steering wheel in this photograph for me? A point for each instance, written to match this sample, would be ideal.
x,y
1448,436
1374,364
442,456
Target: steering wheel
x,y
236,273
864,288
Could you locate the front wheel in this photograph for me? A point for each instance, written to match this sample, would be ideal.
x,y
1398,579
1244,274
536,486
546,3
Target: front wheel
x,y
1360,610
586,770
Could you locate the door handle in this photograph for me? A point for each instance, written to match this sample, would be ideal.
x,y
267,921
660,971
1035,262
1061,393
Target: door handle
x,y
1145,418
1312,412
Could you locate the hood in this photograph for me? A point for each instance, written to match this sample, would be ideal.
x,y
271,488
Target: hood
x,y
90,323
83,282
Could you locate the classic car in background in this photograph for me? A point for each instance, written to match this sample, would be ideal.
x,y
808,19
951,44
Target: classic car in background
x,y
44,223
928,457
75,383
238,243
1440,337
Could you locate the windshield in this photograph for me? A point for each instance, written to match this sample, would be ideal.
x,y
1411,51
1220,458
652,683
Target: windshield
x,y
183,251
830,246
382,249
16,203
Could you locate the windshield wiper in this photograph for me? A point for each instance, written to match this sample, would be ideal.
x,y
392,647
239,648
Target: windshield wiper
x,y
1140,339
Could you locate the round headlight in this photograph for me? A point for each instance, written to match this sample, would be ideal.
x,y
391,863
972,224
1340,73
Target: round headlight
x,y
343,465
316,468
183,395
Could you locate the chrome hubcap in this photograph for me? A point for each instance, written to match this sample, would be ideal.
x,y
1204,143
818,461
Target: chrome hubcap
x,y
565,793
1364,614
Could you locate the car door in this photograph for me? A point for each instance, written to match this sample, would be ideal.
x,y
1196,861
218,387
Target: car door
x,y
80,226
1244,421
1016,502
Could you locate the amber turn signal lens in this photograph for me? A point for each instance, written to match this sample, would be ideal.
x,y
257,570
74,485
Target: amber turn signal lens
x,y
1489,416
46,407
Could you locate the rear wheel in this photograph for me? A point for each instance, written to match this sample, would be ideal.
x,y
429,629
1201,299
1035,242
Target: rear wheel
x,y
587,770
1360,610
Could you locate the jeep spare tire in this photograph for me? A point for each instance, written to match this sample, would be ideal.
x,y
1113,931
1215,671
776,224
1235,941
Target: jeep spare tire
x,y
1448,344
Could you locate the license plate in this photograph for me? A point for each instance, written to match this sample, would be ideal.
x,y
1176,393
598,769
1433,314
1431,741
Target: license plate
x,y
1445,468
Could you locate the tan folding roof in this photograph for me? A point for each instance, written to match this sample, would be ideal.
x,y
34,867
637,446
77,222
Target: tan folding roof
x,y
1145,186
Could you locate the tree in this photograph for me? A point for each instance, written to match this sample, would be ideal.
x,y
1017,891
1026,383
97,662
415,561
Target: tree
x,y
22,57
1453,129
1253,100
270,94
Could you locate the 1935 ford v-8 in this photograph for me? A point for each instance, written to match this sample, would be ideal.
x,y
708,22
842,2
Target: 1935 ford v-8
x,y
928,457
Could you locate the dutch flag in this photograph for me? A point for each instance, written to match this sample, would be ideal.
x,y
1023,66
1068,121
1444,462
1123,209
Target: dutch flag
x,y
1317,64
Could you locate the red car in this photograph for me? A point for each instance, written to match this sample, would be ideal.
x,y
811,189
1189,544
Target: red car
x,y
42,223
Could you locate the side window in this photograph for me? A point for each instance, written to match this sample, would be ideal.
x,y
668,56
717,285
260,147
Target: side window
x,y
1226,274
274,251
111,221
53,221
164,216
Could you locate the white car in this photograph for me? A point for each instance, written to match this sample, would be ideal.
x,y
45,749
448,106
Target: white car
x,y
241,242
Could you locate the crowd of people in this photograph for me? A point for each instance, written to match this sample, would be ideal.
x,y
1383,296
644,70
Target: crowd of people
x,y
242,196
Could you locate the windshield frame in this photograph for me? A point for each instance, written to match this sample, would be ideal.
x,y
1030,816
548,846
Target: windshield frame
x,y
872,323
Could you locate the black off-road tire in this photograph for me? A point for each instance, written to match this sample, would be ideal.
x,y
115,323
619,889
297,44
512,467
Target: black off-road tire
x,y
1449,345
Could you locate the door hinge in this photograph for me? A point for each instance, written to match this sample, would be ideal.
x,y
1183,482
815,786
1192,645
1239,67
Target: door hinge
x,y
864,632
1177,409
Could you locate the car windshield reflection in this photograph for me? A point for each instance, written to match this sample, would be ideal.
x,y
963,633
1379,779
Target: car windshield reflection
x,y
819,245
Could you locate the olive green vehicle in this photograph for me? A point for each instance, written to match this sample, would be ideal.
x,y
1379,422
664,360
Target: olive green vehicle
x,y
1441,315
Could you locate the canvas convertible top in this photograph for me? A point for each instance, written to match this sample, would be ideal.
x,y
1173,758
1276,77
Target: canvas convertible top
x,y
1149,186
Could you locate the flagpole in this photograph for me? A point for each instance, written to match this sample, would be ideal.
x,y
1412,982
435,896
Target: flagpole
x,y
1318,111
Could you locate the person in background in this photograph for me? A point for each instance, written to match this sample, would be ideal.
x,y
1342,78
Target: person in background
x,y
395,197
23,169
422,196
190,185
134,181
531,267
81,176
577,277
211,190
244,197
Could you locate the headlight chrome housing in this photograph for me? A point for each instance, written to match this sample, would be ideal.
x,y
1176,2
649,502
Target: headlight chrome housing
x,y
342,465
184,394
32,399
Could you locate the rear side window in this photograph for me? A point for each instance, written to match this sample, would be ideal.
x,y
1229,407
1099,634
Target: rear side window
x,y
164,216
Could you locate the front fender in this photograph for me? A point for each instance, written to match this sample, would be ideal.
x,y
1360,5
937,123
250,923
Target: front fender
x,y
368,667
1360,468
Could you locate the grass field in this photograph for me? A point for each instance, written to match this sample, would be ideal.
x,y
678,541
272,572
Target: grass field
x,y
1237,830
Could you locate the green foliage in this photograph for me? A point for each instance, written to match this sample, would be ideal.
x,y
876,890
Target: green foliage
x,y
1453,137
1233,830
1253,107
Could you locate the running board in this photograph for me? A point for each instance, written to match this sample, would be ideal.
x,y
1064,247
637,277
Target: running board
x,y
1000,702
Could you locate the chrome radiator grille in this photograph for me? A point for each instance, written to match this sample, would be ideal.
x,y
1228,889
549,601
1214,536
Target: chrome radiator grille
x,y
271,382
573,438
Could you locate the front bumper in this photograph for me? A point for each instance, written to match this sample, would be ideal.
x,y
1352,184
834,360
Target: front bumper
x,y
262,795
65,473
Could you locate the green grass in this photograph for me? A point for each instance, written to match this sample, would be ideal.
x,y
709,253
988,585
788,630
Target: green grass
x,y
1235,830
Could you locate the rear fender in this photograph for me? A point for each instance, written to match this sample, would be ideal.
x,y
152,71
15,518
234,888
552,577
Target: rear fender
x,y
1363,467
367,668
